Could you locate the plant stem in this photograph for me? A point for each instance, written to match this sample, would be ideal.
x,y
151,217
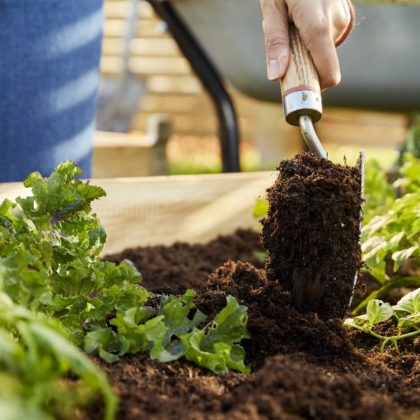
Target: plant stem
x,y
393,338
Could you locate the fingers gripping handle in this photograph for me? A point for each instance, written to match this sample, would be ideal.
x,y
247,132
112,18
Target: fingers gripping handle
x,y
301,72
300,87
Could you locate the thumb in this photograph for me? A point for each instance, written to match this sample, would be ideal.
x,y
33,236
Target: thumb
x,y
276,36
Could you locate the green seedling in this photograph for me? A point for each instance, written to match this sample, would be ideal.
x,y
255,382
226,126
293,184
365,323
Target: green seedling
x,y
405,314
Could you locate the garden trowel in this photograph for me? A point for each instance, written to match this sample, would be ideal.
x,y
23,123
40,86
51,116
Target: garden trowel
x,y
302,105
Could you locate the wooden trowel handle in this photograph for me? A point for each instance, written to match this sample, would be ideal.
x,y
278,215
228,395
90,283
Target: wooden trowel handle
x,y
300,87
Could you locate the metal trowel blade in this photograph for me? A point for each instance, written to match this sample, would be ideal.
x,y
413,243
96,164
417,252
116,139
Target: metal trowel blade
x,y
361,163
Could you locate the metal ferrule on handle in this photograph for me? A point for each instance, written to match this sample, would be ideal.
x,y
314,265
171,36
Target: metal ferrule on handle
x,y
302,102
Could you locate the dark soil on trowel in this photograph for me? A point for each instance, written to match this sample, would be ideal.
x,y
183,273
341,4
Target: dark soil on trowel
x,y
304,366
311,232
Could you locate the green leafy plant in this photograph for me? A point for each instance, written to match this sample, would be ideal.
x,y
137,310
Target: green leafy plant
x,y
35,358
406,314
50,245
215,346
391,230
173,332
378,192
391,239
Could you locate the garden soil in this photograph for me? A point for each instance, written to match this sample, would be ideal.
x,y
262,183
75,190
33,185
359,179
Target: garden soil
x,y
304,366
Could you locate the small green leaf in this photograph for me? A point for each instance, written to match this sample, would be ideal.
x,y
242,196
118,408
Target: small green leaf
x,y
360,321
136,316
411,321
156,332
395,240
216,347
106,343
409,303
176,311
404,254
260,256
378,311
260,208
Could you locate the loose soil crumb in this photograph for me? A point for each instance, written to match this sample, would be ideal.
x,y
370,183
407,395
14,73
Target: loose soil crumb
x,y
311,233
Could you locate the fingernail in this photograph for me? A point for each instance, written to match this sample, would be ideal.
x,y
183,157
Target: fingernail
x,y
273,69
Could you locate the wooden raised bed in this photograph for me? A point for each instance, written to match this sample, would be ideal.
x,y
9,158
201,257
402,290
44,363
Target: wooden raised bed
x,y
162,210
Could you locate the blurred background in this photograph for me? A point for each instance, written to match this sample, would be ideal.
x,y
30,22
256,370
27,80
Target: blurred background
x,y
155,117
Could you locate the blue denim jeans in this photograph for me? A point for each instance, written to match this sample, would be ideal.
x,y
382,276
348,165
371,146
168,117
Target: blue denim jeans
x,y
49,72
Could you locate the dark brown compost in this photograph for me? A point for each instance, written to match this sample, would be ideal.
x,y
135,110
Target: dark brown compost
x,y
311,233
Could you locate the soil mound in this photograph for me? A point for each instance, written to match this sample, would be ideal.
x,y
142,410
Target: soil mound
x,y
297,389
274,323
311,233
303,367
172,269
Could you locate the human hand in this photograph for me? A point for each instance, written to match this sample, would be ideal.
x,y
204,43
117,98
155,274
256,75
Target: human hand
x,y
322,25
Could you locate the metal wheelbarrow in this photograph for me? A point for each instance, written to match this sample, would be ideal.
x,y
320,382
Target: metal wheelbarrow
x,y
222,39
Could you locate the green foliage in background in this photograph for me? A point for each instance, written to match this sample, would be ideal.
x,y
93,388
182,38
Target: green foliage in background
x,y
391,230
413,140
